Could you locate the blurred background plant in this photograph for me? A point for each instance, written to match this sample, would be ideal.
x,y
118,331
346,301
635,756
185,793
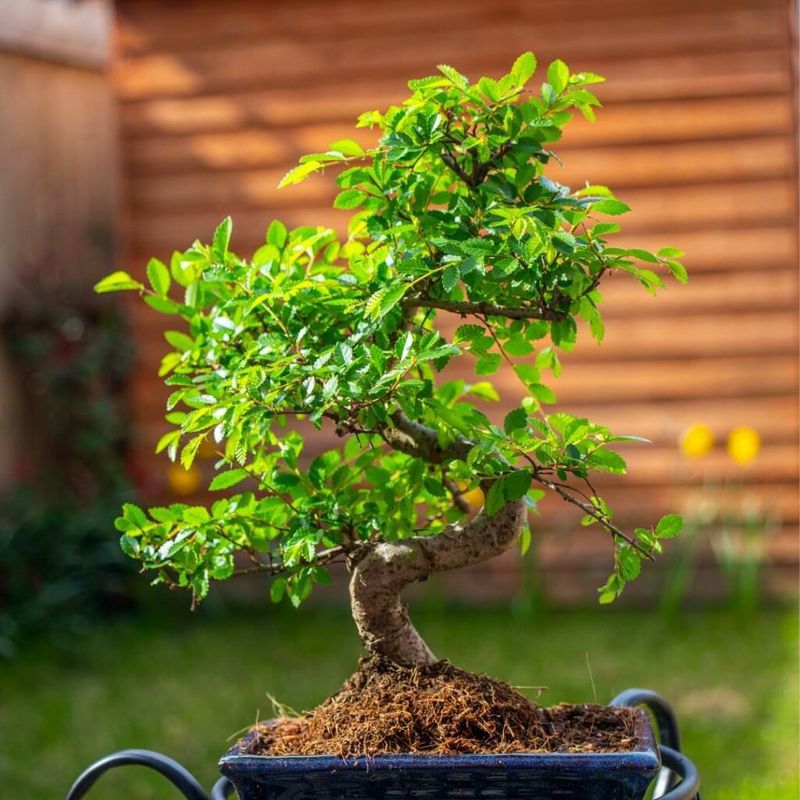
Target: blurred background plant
x,y
59,567
725,518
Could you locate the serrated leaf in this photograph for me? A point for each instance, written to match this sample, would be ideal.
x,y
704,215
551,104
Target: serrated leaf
x,y
454,76
224,480
523,68
162,304
158,275
495,498
299,173
611,206
450,278
169,438
466,333
558,75
517,345
221,240
180,341
487,364
516,484
134,514
514,420
678,272
389,299
630,564
669,526
349,198
608,461
544,394
118,281
484,390
347,147
190,450
277,234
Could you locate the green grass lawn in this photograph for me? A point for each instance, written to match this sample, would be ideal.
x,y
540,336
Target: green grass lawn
x,y
183,684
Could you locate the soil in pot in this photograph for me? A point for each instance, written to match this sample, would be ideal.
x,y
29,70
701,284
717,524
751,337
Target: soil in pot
x,y
439,710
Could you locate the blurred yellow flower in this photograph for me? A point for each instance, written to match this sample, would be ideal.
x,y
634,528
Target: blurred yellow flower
x,y
743,444
183,481
697,440
474,499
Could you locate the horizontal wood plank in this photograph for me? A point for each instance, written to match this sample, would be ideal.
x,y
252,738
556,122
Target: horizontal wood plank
x,y
697,134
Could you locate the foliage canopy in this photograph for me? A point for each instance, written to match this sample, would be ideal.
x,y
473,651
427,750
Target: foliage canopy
x,y
452,212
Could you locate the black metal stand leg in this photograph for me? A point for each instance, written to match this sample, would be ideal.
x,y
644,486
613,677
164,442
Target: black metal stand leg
x,y
181,778
223,789
675,765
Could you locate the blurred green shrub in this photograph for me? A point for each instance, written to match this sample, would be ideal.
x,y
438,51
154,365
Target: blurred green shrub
x,y
59,565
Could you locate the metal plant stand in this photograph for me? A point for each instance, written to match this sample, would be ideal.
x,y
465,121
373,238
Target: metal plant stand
x,y
677,780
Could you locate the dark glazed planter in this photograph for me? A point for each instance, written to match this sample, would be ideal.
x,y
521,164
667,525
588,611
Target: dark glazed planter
x,y
560,776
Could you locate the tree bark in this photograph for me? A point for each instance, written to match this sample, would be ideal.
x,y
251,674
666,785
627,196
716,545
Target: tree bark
x,y
380,576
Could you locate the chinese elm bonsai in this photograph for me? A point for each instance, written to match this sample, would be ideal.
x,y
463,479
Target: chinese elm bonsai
x,y
454,219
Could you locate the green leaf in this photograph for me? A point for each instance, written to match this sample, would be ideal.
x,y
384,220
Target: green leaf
x,y
669,526
523,68
450,278
277,234
162,304
347,147
517,484
299,173
558,75
525,540
516,419
222,238
643,255
169,438
487,364
544,394
454,76
608,461
612,207
678,272
517,345
190,450
158,275
384,300
134,514
180,341
277,589
484,390
224,480
630,564
495,498
117,282
670,252
349,198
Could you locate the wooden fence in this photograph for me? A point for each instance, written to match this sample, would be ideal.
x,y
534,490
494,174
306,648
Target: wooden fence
x,y
58,169
698,135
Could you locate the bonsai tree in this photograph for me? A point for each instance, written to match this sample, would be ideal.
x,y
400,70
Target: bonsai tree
x,y
461,255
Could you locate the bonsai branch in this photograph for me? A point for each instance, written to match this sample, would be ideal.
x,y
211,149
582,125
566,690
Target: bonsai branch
x,y
418,440
488,309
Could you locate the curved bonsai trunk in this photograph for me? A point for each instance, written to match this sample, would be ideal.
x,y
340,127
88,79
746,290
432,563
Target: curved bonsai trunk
x,y
380,576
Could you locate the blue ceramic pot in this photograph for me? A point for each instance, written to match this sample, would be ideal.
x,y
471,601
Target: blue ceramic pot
x,y
543,776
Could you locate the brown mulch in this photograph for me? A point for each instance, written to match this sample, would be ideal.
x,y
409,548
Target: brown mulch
x,y
439,710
